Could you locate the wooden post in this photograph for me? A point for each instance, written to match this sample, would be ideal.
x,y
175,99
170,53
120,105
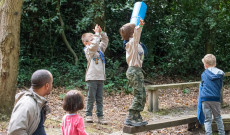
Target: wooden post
x,y
153,100
150,98
222,90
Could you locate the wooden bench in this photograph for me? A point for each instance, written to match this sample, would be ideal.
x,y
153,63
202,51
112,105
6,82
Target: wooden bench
x,y
191,120
152,91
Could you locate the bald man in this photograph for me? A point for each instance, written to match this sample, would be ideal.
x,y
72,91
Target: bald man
x,y
29,113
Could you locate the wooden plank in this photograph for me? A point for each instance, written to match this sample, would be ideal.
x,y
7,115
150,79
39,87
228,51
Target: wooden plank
x,y
161,124
227,74
174,85
177,85
173,122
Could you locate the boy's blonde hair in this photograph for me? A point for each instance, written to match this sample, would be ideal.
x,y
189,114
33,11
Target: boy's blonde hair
x,y
209,59
85,37
127,31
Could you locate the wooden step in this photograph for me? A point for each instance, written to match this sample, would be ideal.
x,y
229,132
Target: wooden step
x,y
161,124
165,123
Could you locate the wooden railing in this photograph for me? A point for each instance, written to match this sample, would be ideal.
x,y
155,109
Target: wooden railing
x,y
152,91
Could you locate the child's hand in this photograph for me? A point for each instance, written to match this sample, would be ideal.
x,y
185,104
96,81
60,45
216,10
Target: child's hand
x,y
97,28
141,22
100,30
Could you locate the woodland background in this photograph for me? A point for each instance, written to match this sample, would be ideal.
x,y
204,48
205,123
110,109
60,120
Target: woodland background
x,y
177,33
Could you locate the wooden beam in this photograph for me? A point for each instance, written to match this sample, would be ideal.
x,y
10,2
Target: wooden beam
x,y
153,92
174,122
227,74
161,124
173,85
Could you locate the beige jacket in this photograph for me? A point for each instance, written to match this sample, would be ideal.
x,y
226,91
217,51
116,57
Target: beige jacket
x,y
25,116
134,51
95,66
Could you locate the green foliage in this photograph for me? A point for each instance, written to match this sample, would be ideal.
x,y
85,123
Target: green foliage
x,y
3,118
62,96
186,91
116,79
177,34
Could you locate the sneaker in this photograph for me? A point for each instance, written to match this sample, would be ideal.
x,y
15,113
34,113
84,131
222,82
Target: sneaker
x,y
89,119
134,123
140,119
130,121
102,121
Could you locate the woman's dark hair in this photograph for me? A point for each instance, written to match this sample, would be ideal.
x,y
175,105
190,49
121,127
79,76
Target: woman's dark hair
x,y
73,101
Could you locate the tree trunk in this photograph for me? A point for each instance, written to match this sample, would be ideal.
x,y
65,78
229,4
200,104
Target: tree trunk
x,y
209,44
208,47
63,33
10,17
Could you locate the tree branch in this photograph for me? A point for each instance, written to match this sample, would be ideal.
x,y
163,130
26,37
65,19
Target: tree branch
x,y
63,33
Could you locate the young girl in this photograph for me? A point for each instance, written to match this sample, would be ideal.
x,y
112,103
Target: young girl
x,y
72,123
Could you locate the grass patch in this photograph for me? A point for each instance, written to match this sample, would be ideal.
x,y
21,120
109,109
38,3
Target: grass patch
x,y
162,112
52,123
96,128
146,115
53,131
3,125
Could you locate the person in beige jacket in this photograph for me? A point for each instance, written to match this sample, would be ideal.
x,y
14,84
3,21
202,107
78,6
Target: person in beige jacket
x,y
95,46
131,34
29,113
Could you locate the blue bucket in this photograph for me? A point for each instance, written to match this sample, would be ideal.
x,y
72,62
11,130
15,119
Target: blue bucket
x,y
139,11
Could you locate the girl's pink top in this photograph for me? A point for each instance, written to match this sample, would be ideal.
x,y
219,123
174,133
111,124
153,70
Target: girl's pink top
x,y
73,124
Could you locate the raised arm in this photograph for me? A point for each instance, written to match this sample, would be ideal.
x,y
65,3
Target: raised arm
x,y
91,49
104,42
137,33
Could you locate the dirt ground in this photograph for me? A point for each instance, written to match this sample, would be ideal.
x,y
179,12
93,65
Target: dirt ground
x,y
172,103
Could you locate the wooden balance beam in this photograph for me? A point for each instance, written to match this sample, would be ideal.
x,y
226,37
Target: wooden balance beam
x,y
161,124
191,120
152,91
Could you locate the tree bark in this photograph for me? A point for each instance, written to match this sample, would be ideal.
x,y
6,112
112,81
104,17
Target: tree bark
x,y
63,34
208,47
10,18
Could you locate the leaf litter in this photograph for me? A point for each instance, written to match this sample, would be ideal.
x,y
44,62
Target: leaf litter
x,y
172,103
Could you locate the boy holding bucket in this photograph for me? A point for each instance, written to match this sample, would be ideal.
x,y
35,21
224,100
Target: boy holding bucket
x,y
134,58
95,46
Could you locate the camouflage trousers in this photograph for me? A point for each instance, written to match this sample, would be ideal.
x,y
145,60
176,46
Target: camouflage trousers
x,y
136,81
